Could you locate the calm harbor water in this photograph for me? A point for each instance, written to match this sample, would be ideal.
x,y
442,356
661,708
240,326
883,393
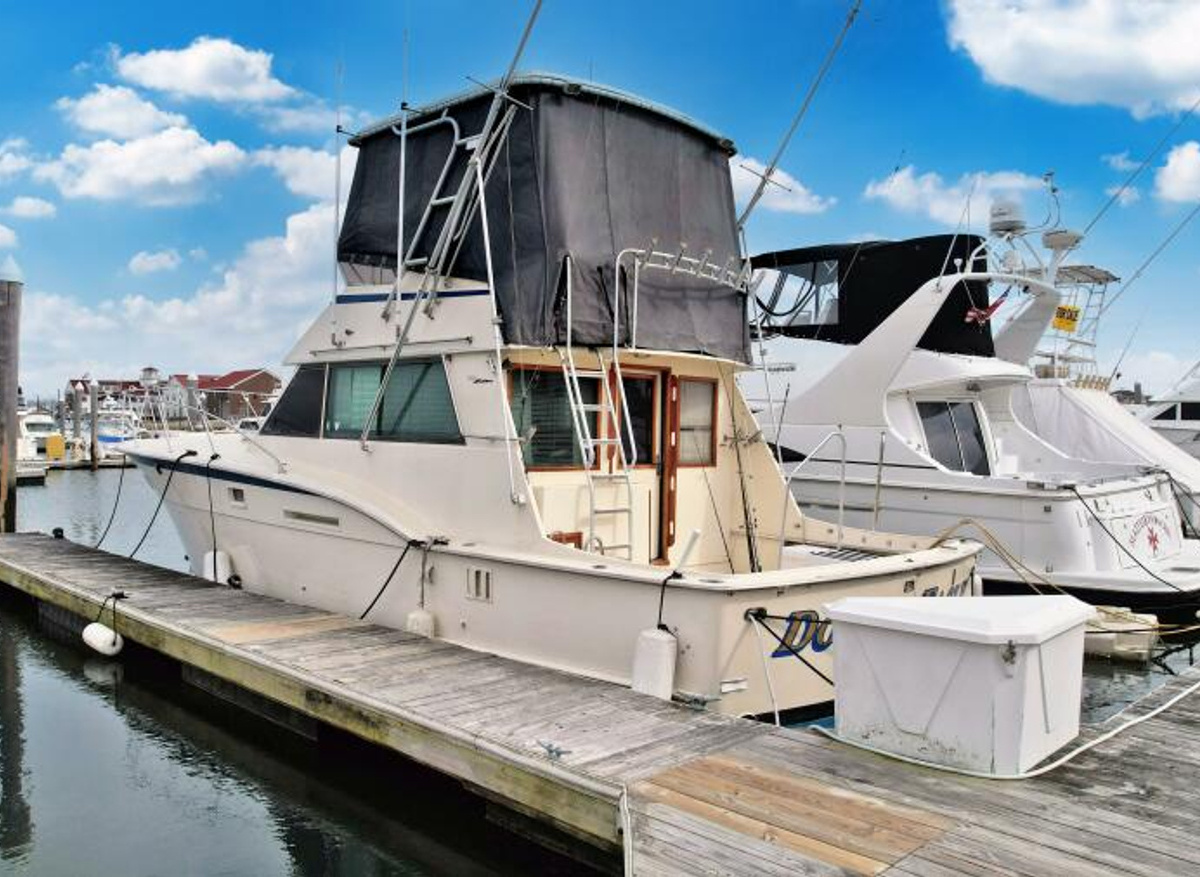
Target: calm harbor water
x,y
118,768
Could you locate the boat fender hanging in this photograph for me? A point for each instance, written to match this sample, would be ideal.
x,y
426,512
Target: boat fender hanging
x,y
654,663
224,566
103,639
420,622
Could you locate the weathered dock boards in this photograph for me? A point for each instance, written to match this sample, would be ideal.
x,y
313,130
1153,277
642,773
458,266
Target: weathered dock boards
x,y
707,794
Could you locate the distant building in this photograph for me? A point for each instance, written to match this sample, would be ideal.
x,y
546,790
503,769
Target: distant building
x,y
230,396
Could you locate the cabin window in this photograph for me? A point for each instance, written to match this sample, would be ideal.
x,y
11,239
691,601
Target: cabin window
x,y
416,406
542,414
639,400
1167,414
955,436
1189,410
697,419
298,411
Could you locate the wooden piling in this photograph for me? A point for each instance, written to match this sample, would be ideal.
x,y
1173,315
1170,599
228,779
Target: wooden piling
x,y
94,414
10,331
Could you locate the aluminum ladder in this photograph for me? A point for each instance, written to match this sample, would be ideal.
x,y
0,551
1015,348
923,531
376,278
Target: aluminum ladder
x,y
592,447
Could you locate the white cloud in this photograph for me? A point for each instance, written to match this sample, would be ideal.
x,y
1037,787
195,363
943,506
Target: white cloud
x,y
8,238
275,286
1179,178
27,207
198,254
306,172
10,270
1137,55
149,263
1128,195
14,158
1156,370
1120,161
785,194
117,111
928,193
169,167
211,68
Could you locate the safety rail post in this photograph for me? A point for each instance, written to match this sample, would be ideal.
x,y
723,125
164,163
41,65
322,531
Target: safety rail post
x,y
878,480
840,435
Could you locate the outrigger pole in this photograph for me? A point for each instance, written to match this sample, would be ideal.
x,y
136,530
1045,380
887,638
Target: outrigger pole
x,y
765,179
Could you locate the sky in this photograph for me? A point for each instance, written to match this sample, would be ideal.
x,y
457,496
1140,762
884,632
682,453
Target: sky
x,y
167,170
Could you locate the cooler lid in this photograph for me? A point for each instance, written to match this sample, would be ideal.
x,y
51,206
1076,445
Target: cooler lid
x,y
1029,620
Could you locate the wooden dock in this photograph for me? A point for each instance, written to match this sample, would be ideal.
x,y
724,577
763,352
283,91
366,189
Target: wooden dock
x,y
705,794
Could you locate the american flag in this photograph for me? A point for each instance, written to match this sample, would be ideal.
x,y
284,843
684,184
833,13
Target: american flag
x,y
982,315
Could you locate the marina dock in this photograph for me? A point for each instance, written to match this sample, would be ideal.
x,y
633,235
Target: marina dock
x,y
612,772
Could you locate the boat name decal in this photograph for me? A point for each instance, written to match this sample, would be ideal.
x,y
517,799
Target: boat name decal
x,y
1153,527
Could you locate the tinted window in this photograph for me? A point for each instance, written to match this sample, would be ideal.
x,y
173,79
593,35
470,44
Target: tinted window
x,y
955,436
970,438
416,406
298,411
352,390
697,404
542,415
939,434
639,397
1168,414
1189,411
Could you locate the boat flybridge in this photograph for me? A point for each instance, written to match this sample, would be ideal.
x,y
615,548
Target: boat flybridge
x,y
1068,402
918,412
534,444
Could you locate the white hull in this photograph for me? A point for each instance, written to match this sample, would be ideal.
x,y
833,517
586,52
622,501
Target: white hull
x,y
553,606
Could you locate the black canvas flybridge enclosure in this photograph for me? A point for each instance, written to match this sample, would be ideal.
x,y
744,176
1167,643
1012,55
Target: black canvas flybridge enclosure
x,y
867,281
583,172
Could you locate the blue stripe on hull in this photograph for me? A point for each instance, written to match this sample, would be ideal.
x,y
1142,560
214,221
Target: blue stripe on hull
x,y
219,474
350,298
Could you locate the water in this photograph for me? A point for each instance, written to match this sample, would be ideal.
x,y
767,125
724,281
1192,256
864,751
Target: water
x,y
118,768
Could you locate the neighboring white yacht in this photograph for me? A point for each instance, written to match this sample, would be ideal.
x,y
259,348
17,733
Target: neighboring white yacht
x,y
1176,414
34,427
924,402
534,444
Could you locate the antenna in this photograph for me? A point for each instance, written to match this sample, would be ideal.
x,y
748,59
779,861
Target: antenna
x,y
787,138
337,170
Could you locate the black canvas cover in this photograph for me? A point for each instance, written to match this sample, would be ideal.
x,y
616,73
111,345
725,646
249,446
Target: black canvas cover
x,y
873,278
584,172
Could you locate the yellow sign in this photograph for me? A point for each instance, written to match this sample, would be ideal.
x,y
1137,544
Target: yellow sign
x,y
1066,318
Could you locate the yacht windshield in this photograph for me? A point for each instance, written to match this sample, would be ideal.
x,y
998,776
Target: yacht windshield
x,y
955,436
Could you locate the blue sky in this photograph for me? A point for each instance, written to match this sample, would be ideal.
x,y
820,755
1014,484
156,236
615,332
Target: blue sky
x,y
166,171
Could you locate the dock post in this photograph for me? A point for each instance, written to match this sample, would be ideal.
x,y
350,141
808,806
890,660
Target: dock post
x,y
77,412
10,331
94,415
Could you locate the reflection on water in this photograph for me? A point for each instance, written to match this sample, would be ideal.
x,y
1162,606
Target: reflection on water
x,y
117,767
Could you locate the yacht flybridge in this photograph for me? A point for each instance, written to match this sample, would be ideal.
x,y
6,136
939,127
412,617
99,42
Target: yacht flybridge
x,y
532,443
921,410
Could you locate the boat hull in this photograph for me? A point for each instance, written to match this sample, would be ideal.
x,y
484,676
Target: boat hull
x,y
564,609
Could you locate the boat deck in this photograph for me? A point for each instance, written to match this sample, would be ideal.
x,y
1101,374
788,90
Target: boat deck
x,y
706,794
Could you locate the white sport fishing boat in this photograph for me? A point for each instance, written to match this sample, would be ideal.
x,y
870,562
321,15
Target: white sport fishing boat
x,y
534,444
919,414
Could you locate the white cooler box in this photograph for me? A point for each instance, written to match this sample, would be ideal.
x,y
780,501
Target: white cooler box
x,y
990,684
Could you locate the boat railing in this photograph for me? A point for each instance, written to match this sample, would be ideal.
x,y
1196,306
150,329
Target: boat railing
x,y
207,418
840,436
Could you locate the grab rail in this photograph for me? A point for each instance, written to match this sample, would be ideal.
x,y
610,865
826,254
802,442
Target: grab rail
x,y
787,490
205,417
